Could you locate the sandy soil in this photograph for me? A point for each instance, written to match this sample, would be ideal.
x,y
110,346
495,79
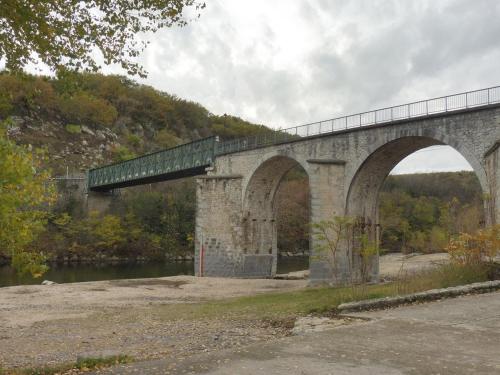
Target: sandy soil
x,y
49,324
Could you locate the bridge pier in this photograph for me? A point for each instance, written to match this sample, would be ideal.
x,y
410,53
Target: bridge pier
x,y
492,198
219,240
326,179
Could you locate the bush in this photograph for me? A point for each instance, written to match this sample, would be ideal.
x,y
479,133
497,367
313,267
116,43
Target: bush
x,y
165,139
134,140
25,193
73,129
480,247
122,153
82,108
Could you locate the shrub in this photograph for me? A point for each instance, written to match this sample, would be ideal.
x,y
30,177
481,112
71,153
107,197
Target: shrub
x,y
165,139
73,129
122,153
134,140
470,249
83,108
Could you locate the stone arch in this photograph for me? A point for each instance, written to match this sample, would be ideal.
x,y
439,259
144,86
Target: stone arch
x,y
362,199
371,171
259,229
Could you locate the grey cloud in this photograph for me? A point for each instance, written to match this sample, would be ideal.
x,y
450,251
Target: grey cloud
x,y
358,55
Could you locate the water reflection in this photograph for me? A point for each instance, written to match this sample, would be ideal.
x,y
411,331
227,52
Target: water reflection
x,y
74,273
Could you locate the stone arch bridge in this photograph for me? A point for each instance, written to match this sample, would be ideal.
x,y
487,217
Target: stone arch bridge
x,y
346,160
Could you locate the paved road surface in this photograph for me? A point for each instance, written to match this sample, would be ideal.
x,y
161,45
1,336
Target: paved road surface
x,y
454,336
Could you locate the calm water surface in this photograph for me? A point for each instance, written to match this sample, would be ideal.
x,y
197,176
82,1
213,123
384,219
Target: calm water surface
x,y
74,273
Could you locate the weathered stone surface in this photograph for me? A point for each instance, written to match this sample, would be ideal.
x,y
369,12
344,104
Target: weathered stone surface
x,y
308,324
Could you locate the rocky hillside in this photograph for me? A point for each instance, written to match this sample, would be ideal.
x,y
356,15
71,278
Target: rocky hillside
x,y
86,120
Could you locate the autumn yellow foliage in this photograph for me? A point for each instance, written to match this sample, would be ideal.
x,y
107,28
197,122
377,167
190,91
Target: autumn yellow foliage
x,y
25,193
481,246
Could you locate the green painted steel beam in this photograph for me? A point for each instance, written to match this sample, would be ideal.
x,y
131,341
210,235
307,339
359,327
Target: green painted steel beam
x,y
189,159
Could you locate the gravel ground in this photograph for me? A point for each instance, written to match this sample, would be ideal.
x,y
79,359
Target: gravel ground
x,y
52,324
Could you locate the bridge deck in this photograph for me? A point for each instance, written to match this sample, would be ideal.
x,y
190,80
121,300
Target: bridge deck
x,y
192,158
186,160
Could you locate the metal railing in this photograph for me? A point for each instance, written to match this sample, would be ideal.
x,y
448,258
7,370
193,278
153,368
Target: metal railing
x,y
422,108
189,156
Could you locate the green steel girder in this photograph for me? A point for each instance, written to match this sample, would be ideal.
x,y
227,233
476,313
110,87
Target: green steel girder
x,y
189,159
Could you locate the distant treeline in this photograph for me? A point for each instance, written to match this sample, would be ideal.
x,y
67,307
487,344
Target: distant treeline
x,y
421,212
417,212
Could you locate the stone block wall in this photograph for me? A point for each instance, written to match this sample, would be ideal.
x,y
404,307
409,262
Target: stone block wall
x,y
235,215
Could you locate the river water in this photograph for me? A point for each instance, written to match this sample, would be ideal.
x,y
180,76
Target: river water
x,y
73,273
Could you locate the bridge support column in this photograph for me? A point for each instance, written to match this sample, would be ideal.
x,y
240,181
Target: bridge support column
x,y
327,184
492,200
219,242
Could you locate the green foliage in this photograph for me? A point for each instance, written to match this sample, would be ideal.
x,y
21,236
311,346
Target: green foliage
x,y
24,193
24,94
134,140
73,129
417,214
165,139
142,223
83,108
84,364
122,153
229,127
70,32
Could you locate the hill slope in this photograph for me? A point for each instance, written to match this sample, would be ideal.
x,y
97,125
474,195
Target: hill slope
x,y
85,120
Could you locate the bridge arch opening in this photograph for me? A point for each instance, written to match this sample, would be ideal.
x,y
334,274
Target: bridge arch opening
x,y
276,214
375,200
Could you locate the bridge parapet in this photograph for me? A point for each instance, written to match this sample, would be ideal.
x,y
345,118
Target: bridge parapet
x,y
409,111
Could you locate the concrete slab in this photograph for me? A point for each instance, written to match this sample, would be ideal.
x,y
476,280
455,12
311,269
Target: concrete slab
x,y
454,336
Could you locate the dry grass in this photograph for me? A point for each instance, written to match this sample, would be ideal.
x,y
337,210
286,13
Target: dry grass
x,y
323,299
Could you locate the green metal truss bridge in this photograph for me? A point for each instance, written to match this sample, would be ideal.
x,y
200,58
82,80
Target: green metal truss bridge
x,y
193,158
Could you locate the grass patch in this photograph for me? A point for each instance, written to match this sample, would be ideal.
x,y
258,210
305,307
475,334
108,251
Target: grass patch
x,y
73,129
321,300
83,364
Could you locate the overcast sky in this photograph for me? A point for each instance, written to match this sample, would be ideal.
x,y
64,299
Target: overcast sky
x,y
286,62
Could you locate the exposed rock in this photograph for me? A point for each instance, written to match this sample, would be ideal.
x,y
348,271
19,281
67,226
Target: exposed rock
x,y
13,131
87,130
100,135
48,282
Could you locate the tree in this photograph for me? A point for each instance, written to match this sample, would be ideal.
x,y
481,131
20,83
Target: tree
x,y
68,33
24,193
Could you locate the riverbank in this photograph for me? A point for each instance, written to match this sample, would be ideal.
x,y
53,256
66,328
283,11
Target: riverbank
x,y
77,272
162,317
